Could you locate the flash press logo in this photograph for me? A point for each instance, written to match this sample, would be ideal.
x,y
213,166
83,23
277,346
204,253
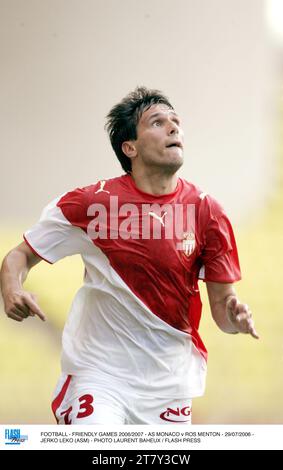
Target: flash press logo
x,y
13,437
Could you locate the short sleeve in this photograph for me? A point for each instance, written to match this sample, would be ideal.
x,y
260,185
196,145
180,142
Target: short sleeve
x,y
219,255
60,229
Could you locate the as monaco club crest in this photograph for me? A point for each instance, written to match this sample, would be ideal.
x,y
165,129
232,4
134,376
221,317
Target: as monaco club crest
x,y
189,243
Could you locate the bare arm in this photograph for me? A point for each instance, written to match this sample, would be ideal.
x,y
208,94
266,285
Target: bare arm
x,y
18,303
229,314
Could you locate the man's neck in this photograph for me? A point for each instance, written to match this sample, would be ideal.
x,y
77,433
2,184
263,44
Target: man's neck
x,y
156,184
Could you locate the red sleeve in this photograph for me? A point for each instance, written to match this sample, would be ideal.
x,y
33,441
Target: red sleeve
x,y
74,205
219,250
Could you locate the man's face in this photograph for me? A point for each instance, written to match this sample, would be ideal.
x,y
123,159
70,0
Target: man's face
x,y
160,139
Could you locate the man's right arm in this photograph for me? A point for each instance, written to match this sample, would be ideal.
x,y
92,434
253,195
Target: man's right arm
x,y
18,303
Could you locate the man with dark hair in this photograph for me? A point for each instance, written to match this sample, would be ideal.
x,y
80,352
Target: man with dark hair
x,y
124,117
132,353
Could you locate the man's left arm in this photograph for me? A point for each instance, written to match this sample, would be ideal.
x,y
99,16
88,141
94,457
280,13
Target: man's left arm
x,y
230,315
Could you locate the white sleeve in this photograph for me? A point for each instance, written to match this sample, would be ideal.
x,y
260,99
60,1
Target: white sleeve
x,y
54,236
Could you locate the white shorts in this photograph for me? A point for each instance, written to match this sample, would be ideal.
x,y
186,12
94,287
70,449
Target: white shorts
x,y
79,400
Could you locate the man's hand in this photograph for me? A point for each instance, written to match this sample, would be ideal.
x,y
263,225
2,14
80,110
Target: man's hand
x,y
21,304
240,317
18,303
229,314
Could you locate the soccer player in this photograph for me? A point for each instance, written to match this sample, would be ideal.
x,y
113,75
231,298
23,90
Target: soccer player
x,y
131,349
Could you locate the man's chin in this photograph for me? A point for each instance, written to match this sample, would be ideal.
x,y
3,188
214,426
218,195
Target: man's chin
x,y
167,165
172,166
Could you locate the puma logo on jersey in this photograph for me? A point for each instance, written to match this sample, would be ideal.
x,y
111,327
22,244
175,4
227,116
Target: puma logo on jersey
x,y
155,216
100,190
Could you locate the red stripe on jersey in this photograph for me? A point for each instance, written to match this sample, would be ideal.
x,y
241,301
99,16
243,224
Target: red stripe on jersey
x,y
159,274
60,397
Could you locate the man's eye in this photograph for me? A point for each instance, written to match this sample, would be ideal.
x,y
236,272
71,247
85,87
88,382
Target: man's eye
x,y
157,123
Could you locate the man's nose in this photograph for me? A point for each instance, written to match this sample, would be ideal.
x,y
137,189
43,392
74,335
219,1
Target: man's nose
x,y
173,128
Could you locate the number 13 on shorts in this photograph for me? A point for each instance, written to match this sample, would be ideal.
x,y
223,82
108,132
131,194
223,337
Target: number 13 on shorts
x,y
85,409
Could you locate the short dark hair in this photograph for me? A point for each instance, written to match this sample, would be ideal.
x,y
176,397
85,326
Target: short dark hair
x,y
123,118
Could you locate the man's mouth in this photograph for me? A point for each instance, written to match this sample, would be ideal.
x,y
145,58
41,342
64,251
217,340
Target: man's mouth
x,y
175,144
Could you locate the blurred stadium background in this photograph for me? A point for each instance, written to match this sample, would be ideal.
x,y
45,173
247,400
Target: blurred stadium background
x,y
63,65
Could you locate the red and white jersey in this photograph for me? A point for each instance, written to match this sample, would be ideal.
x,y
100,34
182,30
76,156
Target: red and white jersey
x,y
137,315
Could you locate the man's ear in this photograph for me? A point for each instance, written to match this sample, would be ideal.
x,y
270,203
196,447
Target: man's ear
x,y
129,149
